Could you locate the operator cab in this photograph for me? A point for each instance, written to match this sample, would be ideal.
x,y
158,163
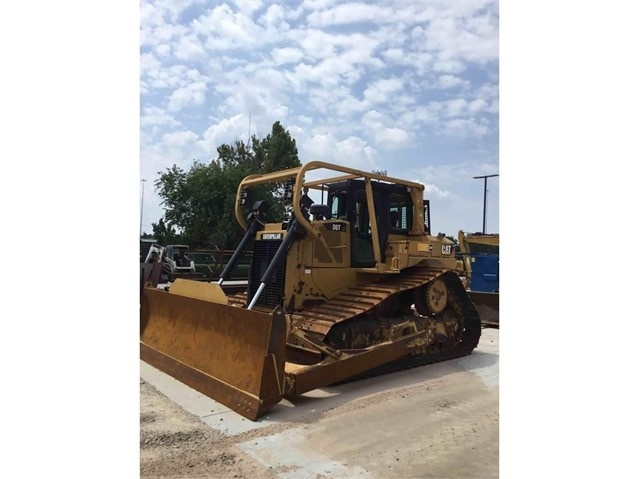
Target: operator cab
x,y
393,213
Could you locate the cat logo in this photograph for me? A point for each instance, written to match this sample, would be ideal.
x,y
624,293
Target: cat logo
x,y
446,249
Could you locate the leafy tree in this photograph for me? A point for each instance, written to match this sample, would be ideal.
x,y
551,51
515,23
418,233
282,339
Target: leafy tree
x,y
200,203
164,234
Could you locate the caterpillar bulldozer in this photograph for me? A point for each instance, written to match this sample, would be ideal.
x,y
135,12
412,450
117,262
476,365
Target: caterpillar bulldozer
x,y
341,288
480,264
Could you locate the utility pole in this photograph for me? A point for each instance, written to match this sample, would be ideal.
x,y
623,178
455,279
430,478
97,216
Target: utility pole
x,y
485,177
142,207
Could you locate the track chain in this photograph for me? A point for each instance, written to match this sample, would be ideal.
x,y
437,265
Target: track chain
x,y
379,290
470,339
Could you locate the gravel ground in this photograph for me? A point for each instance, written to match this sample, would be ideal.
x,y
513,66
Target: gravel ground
x,y
177,444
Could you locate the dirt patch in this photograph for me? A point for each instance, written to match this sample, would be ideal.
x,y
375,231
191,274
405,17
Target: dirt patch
x,y
177,444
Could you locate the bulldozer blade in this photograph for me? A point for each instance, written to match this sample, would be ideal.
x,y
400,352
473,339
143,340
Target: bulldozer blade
x,y
194,289
487,305
232,355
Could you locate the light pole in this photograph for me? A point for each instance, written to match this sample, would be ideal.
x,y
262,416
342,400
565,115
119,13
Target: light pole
x,y
485,177
142,207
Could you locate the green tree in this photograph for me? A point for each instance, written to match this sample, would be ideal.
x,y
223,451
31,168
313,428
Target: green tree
x,y
200,203
453,239
164,234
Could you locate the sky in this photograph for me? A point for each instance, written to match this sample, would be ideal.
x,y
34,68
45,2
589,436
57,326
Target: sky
x,y
406,87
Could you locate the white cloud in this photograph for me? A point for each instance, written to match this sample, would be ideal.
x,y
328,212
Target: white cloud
x,y
154,116
327,74
382,133
163,50
224,131
190,95
274,18
487,91
494,107
254,90
347,105
189,47
317,44
177,147
179,139
305,120
477,105
463,35
154,27
382,90
317,4
156,76
285,55
431,191
321,146
349,13
296,131
465,127
420,115
351,146
155,13
149,64
390,138
446,65
225,29
352,151
456,107
248,7
450,81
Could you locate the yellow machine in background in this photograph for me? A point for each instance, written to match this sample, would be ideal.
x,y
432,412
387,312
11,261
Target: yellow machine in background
x,y
335,290
480,265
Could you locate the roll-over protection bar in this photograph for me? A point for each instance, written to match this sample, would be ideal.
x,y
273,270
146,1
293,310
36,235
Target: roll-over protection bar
x,y
298,175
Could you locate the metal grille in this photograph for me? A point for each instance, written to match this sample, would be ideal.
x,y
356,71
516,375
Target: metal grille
x,y
263,252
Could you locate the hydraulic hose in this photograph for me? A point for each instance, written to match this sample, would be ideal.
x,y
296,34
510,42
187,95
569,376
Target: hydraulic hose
x,y
253,228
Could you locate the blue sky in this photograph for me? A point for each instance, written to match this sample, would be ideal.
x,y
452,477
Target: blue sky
x,y
410,87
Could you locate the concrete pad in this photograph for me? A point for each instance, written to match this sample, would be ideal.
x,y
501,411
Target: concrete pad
x,y
439,421
483,363
290,457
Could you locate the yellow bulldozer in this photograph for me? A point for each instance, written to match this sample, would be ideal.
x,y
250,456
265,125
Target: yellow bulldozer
x,y
336,290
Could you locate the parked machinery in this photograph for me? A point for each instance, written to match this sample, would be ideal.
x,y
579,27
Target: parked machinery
x,y
335,290
151,266
177,263
480,257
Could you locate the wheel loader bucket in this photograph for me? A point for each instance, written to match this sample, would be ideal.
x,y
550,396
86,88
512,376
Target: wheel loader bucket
x,y
230,354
